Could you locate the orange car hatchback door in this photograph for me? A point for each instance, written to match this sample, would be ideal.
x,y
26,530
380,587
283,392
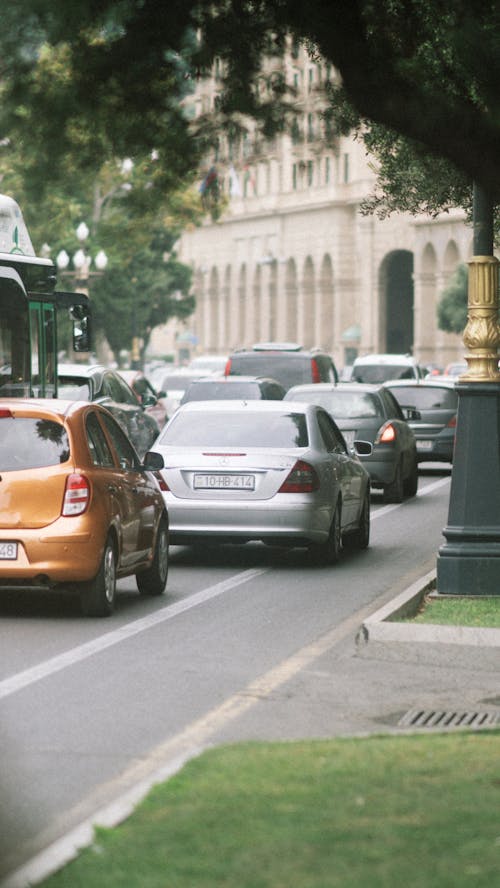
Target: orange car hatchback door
x,y
32,486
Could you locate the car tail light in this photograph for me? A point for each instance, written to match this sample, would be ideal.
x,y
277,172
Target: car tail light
x,y
452,424
387,434
302,479
76,495
227,368
162,484
316,375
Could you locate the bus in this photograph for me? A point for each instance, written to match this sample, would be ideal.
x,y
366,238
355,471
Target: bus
x,y
29,309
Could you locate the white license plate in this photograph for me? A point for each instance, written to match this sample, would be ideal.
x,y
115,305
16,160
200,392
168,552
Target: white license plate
x,y
8,551
224,482
424,445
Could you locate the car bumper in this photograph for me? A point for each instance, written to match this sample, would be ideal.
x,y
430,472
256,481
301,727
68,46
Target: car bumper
x,y
49,556
293,522
435,450
381,466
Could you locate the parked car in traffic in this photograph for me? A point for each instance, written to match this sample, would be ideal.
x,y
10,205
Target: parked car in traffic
x,y
152,401
105,386
237,471
174,383
287,362
431,407
380,368
371,413
77,507
234,387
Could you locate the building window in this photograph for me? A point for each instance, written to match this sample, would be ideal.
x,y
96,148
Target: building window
x,y
327,170
310,172
310,127
294,177
346,168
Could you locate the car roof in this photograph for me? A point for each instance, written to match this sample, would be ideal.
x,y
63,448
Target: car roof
x,y
83,370
233,380
419,383
240,406
340,387
58,407
386,359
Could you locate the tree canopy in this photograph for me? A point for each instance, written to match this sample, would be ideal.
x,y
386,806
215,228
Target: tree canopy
x,y
102,79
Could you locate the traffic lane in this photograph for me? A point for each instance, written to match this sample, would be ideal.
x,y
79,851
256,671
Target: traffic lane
x,y
35,626
72,733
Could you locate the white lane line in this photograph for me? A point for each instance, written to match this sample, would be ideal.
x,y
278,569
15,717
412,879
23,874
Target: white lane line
x,y
423,491
162,762
42,670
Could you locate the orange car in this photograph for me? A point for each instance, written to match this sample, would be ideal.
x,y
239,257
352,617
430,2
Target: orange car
x,y
77,507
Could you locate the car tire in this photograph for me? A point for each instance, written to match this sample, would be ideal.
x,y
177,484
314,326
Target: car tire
x,y
329,551
360,538
411,483
153,581
394,492
98,595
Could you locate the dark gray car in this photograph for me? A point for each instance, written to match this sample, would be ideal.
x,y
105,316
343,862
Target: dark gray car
x,y
371,413
436,404
103,385
244,388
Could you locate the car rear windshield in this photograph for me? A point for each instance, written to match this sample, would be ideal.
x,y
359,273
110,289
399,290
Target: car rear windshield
x,y
376,373
426,398
29,443
289,369
203,391
74,389
223,429
344,405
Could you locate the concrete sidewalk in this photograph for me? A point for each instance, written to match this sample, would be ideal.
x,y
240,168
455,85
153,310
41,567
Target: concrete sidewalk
x,y
383,634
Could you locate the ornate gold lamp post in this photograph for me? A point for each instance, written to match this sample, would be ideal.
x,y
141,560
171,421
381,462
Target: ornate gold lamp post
x,y
469,561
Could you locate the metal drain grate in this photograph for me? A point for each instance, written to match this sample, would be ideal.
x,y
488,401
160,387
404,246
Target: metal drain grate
x,y
432,718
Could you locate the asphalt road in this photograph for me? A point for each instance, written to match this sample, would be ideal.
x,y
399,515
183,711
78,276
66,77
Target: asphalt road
x,y
90,709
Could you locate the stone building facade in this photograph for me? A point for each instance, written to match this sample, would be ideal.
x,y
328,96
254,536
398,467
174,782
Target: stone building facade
x,y
292,258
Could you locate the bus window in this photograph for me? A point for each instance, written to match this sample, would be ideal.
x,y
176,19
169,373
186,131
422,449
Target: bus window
x,y
14,342
43,350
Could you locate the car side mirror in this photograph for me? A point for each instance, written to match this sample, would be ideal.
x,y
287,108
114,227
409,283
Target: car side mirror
x,y
153,461
411,413
363,448
149,400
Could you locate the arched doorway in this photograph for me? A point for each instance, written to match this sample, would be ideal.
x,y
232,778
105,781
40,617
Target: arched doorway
x,y
396,302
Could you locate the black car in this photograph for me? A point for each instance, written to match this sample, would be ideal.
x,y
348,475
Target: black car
x,y
370,413
287,362
431,408
244,388
83,382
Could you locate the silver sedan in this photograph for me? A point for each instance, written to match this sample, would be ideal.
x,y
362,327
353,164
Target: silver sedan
x,y
237,471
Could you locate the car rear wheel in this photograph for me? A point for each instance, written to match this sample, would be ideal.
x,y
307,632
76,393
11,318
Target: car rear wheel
x,y
154,580
411,483
98,595
394,492
360,538
329,551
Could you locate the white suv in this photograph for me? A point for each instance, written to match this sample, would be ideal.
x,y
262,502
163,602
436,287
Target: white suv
x,y
380,368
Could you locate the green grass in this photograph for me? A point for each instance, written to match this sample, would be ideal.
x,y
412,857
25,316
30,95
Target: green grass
x,y
483,612
375,812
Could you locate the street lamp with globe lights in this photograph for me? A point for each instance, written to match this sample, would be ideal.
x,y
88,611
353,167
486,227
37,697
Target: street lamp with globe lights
x,y
82,260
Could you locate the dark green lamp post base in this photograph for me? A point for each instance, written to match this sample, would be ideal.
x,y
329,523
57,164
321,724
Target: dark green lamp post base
x,y
468,562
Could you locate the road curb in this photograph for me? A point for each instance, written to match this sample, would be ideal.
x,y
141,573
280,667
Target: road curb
x,y
381,635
